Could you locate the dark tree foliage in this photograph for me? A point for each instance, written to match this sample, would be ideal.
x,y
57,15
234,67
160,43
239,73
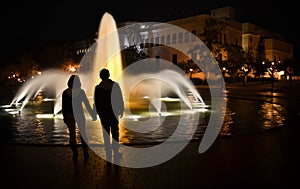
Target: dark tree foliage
x,y
260,56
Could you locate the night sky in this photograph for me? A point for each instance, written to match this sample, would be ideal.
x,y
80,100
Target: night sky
x,y
32,23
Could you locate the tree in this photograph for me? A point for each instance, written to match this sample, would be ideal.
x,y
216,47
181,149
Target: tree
x,y
131,54
213,29
260,56
235,60
55,56
189,66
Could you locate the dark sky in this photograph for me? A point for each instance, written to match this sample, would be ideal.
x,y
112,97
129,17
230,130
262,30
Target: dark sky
x,y
30,23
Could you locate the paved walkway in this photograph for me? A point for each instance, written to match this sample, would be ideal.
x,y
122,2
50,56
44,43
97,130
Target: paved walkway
x,y
265,160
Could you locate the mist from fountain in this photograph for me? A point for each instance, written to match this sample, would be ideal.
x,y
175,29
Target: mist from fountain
x,y
50,80
165,83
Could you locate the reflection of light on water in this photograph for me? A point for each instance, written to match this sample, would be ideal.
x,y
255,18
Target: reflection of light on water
x,y
12,111
133,117
273,115
199,106
148,114
37,126
226,129
9,109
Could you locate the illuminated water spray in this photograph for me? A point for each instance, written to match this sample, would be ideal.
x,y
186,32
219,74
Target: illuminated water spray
x,y
107,50
106,53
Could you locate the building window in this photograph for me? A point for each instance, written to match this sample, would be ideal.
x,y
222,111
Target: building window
x,y
187,37
168,39
174,41
156,41
180,37
162,40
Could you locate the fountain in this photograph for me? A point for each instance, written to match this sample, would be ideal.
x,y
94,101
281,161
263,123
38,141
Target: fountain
x,y
106,52
49,81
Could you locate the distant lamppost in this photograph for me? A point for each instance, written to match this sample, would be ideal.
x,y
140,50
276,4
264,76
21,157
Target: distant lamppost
x,y
263,70
245,72
289,70
224,71
191,71
272,70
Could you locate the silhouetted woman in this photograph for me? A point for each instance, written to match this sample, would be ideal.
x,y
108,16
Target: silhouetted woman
x,y
73,99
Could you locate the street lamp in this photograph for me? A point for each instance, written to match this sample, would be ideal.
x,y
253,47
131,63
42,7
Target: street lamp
x,y
245,72
191,71
263,71
272,70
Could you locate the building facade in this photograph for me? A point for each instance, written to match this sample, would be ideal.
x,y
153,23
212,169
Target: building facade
x,y
245,35
157,41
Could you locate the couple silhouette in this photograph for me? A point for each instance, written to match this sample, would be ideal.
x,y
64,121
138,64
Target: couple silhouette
x,y
108,105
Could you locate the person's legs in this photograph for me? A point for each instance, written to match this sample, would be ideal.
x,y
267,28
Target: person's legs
x,y
70,121
106,138
115,131
83,137
73,143
85,148
115,141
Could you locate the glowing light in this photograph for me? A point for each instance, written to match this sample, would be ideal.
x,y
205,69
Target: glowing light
x,y
12,111
72,69
168,99
48,99
45,115
133,117
5,106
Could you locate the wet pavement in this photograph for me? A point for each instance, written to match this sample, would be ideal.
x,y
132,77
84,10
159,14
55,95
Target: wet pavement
x,y
257,160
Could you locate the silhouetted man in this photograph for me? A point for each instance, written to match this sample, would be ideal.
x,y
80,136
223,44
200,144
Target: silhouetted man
x,y
109,105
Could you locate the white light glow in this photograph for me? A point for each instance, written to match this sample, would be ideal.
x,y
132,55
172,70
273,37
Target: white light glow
x,y
45,115
168,99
